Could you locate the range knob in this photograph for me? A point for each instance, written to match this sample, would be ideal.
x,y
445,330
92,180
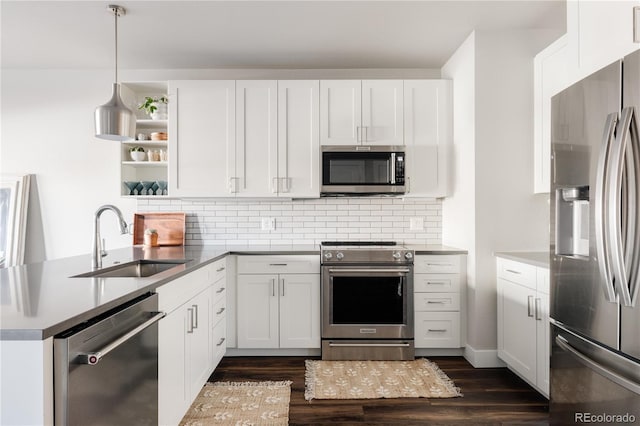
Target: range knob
x,y
328,255
396,255
408,255
339,255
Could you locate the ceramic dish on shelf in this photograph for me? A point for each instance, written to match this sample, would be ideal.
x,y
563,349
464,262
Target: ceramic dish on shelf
x,y
158,136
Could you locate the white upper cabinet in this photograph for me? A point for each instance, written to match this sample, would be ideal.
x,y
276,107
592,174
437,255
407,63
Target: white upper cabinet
x,y
605,33
551,73
298,139
361,112
340,112
202,142
598,33
256,162
428,131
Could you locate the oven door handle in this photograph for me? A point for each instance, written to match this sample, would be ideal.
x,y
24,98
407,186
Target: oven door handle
x,y
369,270
369,345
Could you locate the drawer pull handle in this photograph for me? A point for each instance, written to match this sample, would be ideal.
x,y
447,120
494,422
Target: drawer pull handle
x,y
436,302
514,272
221,342
530,306
277,264
220,290
436,283
437,330
220,269
220,311
439,264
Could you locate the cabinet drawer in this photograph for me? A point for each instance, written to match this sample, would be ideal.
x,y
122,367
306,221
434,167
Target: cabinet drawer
x,y
218,270
220,290
219,311
277,264
436,283
436,302
442,264
177,292
437,330
517,272
219,341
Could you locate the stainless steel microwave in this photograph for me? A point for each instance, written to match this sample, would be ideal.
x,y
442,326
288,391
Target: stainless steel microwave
x,y
362,170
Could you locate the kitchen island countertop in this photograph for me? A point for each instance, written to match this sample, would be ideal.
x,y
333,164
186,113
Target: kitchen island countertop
x,y
40,300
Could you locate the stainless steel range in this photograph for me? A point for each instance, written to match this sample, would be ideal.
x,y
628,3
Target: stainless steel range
x,y
367,301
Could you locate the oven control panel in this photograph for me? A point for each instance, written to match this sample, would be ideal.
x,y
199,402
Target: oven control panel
x,y
351,255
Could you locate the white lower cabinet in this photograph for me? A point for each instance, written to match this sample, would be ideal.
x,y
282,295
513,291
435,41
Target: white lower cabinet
x,y
186,355
523,321
438,301
278,309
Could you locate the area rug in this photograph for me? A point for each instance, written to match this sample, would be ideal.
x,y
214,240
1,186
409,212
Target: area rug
x,y
376,379
240,403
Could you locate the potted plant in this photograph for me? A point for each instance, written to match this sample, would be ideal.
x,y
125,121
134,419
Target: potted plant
x,y
150,237
156,107
136,153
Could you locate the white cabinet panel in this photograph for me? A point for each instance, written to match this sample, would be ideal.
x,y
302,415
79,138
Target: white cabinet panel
x,y
361,112
256,138
340,112
518,328
278,301
382,112
202,142
298,138
437,330
300,311
523,321
428,128
439,301
173,394
258,311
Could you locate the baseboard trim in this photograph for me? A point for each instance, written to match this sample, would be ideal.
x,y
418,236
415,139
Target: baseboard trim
x,y
483,358
439,352
272,352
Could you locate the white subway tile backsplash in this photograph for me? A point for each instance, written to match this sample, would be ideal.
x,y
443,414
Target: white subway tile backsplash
x,y
219,222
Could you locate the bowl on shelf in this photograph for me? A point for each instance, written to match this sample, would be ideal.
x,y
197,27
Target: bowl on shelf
x,y
137,155
158,136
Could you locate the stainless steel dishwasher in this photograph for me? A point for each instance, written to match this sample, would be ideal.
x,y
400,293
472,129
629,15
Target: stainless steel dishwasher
x,y
106,369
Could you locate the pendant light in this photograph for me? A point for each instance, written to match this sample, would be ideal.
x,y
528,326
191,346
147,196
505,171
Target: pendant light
x,y
114,121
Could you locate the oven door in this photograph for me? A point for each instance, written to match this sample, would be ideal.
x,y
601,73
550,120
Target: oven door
x,y
367,302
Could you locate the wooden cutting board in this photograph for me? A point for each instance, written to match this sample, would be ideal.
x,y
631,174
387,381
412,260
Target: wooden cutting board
x,y
170,227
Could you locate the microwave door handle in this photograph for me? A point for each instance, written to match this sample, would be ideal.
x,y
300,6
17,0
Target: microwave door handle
x,y
601,195
392,168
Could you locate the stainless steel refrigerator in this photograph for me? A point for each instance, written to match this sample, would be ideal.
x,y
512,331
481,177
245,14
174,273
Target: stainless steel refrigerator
x,y
595,248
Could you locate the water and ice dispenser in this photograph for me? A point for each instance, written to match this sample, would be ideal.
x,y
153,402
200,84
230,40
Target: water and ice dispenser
x,y
572,221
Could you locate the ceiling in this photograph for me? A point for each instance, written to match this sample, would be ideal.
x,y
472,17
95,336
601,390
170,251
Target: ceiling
x,y
256,34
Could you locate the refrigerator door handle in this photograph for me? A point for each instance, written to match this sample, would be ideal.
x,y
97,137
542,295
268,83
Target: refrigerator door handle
x,y
601,196
598,368
622,207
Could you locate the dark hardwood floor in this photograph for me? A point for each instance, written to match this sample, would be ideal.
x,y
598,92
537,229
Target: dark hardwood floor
x,y
492,396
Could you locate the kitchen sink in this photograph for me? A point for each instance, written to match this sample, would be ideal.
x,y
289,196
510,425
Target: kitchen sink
x,y
136,269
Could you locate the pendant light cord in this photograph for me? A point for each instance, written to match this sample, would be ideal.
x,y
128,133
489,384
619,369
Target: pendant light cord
x,y
115,13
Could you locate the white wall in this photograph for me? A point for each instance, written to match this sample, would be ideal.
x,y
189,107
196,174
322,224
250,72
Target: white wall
x,y
492,207
458,210
47,130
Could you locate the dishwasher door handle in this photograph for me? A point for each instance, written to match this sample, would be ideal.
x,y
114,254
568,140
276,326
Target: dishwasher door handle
x,y
92,358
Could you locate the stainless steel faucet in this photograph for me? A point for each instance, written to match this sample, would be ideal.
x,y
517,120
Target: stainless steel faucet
x,y
97,242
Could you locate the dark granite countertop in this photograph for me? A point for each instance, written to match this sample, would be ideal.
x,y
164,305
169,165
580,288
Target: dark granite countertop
x,y
40,300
